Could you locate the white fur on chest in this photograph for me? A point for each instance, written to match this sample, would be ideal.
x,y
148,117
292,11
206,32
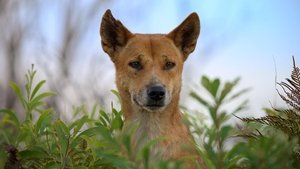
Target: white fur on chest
x,y
150,127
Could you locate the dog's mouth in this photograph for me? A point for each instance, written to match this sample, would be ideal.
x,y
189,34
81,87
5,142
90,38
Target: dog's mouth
x,y
154,106
151,106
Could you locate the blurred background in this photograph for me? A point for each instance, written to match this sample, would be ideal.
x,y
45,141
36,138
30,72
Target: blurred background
x,y
254,40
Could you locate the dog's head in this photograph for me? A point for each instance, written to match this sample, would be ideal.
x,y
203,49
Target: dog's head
x,y
149,66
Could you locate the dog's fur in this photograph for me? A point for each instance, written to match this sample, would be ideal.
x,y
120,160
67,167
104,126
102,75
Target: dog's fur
x,y
148,78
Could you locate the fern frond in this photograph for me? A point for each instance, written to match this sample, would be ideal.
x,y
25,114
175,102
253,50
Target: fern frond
x,y
291,114
295,76
289,101
288,126
292,88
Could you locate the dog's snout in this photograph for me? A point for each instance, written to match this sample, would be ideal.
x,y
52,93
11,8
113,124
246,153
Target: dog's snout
x,y
156,93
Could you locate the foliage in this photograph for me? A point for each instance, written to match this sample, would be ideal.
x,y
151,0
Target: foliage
x,y
97,139
271,141
283,122
220,131
47,142
286,120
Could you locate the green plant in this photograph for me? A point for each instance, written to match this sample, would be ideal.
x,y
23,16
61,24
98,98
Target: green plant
x,y
100,139
280,127
216,135
43,141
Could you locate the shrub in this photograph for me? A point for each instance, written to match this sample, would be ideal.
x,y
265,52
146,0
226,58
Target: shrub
x,y
96,139
219,133
271,141
47,142
275,143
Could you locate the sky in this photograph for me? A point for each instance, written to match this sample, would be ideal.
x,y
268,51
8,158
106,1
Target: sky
x,y
251,39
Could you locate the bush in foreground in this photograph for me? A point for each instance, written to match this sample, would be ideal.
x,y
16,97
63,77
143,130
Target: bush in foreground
x,y
95,139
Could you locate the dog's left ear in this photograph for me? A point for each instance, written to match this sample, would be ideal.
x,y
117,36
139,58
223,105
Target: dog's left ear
x,y
186,34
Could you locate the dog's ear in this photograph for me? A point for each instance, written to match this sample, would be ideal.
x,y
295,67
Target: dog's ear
x,y
113,34
186,34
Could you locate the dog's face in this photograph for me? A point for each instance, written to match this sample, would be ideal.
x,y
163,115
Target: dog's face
x,y
149,69
149,66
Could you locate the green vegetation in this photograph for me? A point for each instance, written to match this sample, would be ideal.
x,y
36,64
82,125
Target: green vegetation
x,y
95,139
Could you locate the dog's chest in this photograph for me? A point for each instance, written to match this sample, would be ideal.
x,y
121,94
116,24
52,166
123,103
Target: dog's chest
x,y
151,128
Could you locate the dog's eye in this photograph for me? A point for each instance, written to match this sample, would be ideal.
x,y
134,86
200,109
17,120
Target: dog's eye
x,y
136,65
169,65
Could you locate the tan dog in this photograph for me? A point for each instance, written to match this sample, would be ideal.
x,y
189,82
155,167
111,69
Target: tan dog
x,y
148,77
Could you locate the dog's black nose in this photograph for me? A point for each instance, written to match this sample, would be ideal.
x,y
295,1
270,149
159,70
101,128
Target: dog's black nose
x,y
156,93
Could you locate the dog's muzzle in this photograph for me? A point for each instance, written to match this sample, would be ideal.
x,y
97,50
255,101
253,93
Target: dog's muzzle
x,y
154,97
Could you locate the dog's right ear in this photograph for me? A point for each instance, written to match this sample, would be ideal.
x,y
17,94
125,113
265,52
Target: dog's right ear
x,y
186,34
113,34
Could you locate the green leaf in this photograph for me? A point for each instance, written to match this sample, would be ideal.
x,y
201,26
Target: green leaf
x,y
27,85
199,99
213,114
227,89
63,135
12,116
223,117
5,137
115,160
211,86
94,110
234,155
117,122
37,87
18,92
212,155
205,82
270,111
63,127
225,131
35,105
126,140
26,134
42,96
215,87
77,125
32,154
38,99
104,118
238,94
52,165
43,121
116,93
99,130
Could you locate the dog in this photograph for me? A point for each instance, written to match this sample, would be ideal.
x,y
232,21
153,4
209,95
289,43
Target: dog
x,y
148,78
